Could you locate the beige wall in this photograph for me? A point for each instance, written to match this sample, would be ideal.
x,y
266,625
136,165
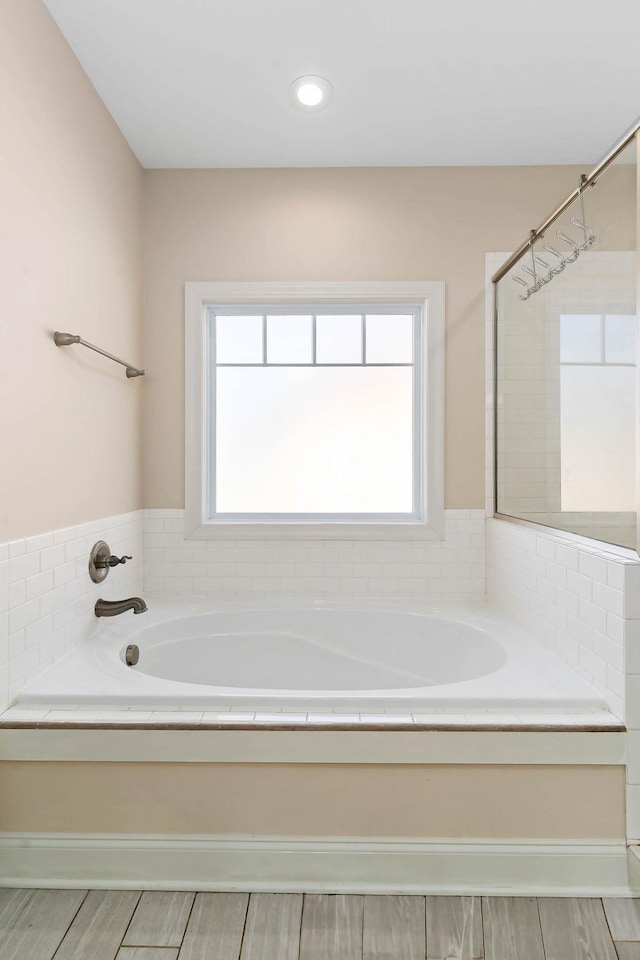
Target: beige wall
x,y
400,800
70,195
332,224
70,210
70,256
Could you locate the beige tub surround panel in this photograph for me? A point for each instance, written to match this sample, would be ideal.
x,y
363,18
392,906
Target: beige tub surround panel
x,y
427,801
342,224
70,259
67,742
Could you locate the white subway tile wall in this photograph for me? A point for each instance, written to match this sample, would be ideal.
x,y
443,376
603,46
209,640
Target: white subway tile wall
x,y
454,566
528,403
578,600
632,691
631,638
493,261
47,597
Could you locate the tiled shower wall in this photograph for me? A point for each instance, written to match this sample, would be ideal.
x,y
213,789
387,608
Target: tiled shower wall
x,y
529,424
579,601
454,566
47,597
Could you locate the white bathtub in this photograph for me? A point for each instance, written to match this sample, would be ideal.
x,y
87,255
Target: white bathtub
x,y
207,656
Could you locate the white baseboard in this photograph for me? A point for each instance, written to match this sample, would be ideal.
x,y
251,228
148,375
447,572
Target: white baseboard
x,y
316,865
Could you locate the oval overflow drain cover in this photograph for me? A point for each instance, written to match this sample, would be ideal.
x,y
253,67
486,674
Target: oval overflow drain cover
x,y
132,655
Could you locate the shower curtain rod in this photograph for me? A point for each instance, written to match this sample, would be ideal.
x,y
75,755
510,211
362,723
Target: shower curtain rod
x,y
589,181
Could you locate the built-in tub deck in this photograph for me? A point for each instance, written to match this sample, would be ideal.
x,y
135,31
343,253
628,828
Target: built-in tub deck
x,y
201,665
531,721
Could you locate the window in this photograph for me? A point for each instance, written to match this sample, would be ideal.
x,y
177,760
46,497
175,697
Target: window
x,y
598,412
314,417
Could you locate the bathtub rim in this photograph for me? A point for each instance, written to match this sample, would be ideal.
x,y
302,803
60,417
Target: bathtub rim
x,y
72,684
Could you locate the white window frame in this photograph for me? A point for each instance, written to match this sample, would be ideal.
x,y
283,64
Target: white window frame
x,y
200,296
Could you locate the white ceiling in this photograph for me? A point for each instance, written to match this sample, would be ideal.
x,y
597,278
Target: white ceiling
x,y
204,83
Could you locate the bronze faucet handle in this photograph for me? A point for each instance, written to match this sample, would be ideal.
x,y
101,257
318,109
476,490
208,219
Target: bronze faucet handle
x,y
111,561
101,561
114,561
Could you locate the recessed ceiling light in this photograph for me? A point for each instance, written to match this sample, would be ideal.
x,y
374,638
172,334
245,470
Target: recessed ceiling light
x,y
310,93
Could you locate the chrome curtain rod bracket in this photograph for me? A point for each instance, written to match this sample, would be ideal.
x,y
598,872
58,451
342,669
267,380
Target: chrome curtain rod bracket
x,y
66,339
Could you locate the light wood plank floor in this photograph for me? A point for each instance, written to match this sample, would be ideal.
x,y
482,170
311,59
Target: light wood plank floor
x,y
129,925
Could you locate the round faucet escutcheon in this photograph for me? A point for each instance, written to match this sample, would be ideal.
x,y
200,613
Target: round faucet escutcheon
x,y
101,560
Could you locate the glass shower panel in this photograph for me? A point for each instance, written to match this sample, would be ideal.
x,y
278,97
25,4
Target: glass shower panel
x,y
566,369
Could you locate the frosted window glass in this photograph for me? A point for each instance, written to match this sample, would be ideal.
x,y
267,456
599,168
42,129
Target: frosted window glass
x,y
598,438
339,339
389,338
620,339
581,338
238,339
314,440
289,339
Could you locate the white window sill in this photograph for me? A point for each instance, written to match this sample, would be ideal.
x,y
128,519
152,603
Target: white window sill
x,y
221,530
